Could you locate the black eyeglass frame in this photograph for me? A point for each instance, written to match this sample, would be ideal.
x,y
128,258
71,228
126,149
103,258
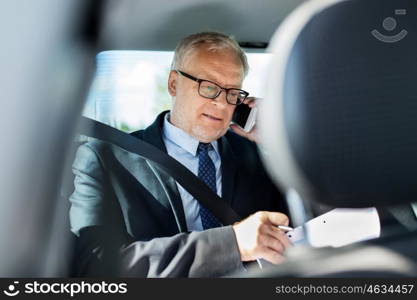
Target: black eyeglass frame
x,y
199,80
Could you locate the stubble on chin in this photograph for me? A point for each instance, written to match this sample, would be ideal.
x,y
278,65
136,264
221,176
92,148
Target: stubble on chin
x,y
197,131
206,136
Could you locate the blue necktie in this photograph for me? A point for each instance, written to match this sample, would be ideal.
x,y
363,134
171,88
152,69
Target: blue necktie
x,y
207,173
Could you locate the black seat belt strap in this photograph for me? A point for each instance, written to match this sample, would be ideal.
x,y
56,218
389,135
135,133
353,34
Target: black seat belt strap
x,y
198,189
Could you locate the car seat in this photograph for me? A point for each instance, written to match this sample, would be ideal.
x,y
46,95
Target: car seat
x,y
339,126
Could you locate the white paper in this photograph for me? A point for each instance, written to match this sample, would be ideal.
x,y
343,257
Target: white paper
x,y
338,227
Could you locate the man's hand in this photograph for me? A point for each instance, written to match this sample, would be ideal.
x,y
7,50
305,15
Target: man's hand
x,y
258,237
251,135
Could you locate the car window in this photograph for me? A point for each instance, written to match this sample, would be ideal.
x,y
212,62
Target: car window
x,y
130,87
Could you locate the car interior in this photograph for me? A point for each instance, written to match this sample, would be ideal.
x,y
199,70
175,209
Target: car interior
x,y
337,121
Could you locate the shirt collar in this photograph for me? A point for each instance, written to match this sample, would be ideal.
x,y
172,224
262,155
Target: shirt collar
x,y
183,139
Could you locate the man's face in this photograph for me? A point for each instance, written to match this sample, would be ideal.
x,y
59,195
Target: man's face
x,y
205,119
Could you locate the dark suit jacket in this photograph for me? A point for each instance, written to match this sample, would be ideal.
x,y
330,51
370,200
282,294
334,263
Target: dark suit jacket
x,y
129,218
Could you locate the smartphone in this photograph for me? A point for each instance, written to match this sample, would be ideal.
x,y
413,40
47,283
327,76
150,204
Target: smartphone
x,y
245,117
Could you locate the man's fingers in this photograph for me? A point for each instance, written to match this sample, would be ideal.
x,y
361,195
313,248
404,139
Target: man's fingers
x,y
251,101
275,218
258,233
279,234
252,104
274,243
238,130
249,135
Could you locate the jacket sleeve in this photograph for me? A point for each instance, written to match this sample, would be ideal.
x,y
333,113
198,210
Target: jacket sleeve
x,y
104,248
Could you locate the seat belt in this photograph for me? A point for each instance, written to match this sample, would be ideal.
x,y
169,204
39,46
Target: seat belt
x,y
198,189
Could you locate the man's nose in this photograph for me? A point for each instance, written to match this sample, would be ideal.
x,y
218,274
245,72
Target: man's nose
x,y
221,100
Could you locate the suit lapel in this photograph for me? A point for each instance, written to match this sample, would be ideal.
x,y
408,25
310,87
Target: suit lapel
x,y
153,135
172,195
228,168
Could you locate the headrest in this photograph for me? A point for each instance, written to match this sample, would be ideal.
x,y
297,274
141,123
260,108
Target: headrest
x,y
339,120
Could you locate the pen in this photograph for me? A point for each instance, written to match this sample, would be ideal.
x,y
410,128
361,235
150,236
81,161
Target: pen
x,y
285,228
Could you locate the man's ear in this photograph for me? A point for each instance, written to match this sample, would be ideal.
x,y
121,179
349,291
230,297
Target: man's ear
x,y
172,83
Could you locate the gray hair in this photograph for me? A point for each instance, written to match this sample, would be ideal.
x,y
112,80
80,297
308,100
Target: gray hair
x,y
213,41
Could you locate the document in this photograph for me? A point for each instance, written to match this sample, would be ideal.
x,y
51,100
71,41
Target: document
x,y
338,227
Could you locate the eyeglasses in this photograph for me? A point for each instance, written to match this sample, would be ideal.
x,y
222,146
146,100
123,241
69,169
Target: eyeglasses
x,y
211,90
